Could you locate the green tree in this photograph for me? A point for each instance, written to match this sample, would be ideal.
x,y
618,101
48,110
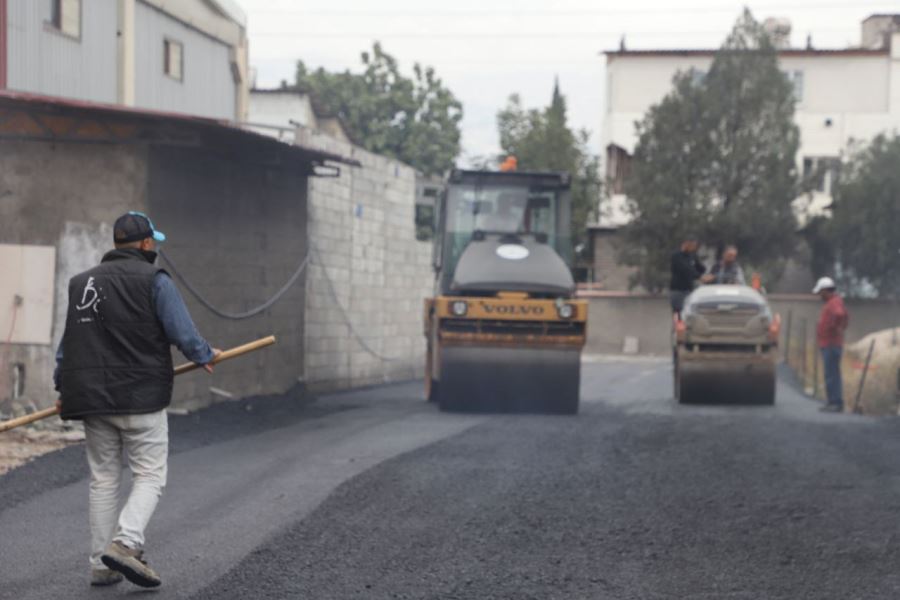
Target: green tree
x,y
413,119
541,140
865,227
716,157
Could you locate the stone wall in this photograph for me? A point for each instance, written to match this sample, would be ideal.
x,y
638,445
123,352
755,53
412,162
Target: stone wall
x,y
53,195
237,230
370,274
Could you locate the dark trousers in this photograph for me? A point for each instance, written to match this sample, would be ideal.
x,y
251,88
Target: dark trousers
x,y
676,299
834,387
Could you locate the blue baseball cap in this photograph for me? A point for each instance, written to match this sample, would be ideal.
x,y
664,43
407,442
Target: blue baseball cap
x,y
134,226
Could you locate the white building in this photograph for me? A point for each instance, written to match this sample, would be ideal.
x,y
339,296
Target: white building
x,y
842,96
280,112
183,56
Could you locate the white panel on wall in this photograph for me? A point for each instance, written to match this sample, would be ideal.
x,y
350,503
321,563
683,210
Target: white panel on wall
x,y
26,272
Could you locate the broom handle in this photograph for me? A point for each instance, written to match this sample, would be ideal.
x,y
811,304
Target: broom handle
x,y
185,368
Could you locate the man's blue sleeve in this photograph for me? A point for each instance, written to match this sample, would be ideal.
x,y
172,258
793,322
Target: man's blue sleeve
x,y
177,322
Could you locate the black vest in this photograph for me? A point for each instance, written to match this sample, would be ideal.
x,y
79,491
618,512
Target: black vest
x,y
116,356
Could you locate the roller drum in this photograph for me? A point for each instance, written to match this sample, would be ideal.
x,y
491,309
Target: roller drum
x,y
724,379
501,379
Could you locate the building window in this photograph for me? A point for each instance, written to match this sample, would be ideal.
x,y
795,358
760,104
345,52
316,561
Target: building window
x,y
65,17
796,79
173,59
821,172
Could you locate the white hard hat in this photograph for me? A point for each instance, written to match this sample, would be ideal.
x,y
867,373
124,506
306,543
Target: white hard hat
x,y
824,283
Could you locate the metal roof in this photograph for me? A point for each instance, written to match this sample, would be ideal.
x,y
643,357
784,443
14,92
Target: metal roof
x,y
36,117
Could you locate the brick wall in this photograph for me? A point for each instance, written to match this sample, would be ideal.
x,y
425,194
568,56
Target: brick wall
x,y
363,224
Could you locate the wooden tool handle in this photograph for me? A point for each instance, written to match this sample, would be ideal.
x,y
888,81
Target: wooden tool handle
x,y
185,368
35,416
227,354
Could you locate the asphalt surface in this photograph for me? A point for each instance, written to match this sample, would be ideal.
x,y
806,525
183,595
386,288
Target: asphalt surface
x,y
384,497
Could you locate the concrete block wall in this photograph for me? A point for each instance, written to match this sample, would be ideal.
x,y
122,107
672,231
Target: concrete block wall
x,y
648,317
363,227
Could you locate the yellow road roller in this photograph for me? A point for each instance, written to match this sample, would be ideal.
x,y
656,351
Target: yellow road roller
x,y
504,330
725,347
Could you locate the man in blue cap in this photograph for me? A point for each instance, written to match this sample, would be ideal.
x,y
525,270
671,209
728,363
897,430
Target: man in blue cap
x,y
114,371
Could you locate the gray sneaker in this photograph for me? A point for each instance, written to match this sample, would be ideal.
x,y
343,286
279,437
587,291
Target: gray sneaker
x,y
104,577
130,563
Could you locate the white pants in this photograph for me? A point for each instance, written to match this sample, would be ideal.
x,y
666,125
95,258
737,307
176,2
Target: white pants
x,y
144,440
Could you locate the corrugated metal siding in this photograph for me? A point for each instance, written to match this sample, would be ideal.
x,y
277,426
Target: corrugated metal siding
x,y
43,61
207,88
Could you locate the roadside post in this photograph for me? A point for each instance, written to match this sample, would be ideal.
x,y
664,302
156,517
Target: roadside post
x,y
857,409
787,337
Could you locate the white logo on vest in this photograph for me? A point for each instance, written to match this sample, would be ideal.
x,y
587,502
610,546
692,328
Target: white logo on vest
x,y
90,300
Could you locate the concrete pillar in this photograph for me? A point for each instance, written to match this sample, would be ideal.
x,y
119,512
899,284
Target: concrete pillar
x,y
125,62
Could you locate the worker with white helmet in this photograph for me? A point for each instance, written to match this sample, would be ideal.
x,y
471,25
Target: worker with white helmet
x,y
833,321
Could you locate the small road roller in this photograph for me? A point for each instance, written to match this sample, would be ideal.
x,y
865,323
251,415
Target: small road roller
x,y
725,347
504,330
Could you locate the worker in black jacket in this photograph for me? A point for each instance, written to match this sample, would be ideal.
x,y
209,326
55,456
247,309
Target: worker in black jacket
x,y
687,269
114,372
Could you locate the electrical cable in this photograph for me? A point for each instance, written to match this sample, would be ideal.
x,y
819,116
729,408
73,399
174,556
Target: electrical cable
x,y
240,315
255,311
334,297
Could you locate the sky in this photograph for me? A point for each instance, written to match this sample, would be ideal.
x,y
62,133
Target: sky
x,y
486,50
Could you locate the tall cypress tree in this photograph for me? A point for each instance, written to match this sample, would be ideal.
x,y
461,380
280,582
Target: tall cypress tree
x,y
541,140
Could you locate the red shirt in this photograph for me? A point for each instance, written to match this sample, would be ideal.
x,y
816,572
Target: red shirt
x,y
833,321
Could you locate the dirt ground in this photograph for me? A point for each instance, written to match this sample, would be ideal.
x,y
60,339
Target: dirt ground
x,y
19,446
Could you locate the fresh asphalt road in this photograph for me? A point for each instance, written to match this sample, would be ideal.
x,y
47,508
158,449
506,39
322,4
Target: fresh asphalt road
x,y
636,497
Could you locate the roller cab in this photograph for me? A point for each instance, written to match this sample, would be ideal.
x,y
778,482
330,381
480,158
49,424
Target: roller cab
x,y
725,347
504,330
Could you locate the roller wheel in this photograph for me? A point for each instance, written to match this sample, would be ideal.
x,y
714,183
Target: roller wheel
x,y
567,405
766,395
447,402
684,392
432,391
676,383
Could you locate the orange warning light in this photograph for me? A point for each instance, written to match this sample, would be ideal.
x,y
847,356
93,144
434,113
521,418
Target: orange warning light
x,y
510,164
